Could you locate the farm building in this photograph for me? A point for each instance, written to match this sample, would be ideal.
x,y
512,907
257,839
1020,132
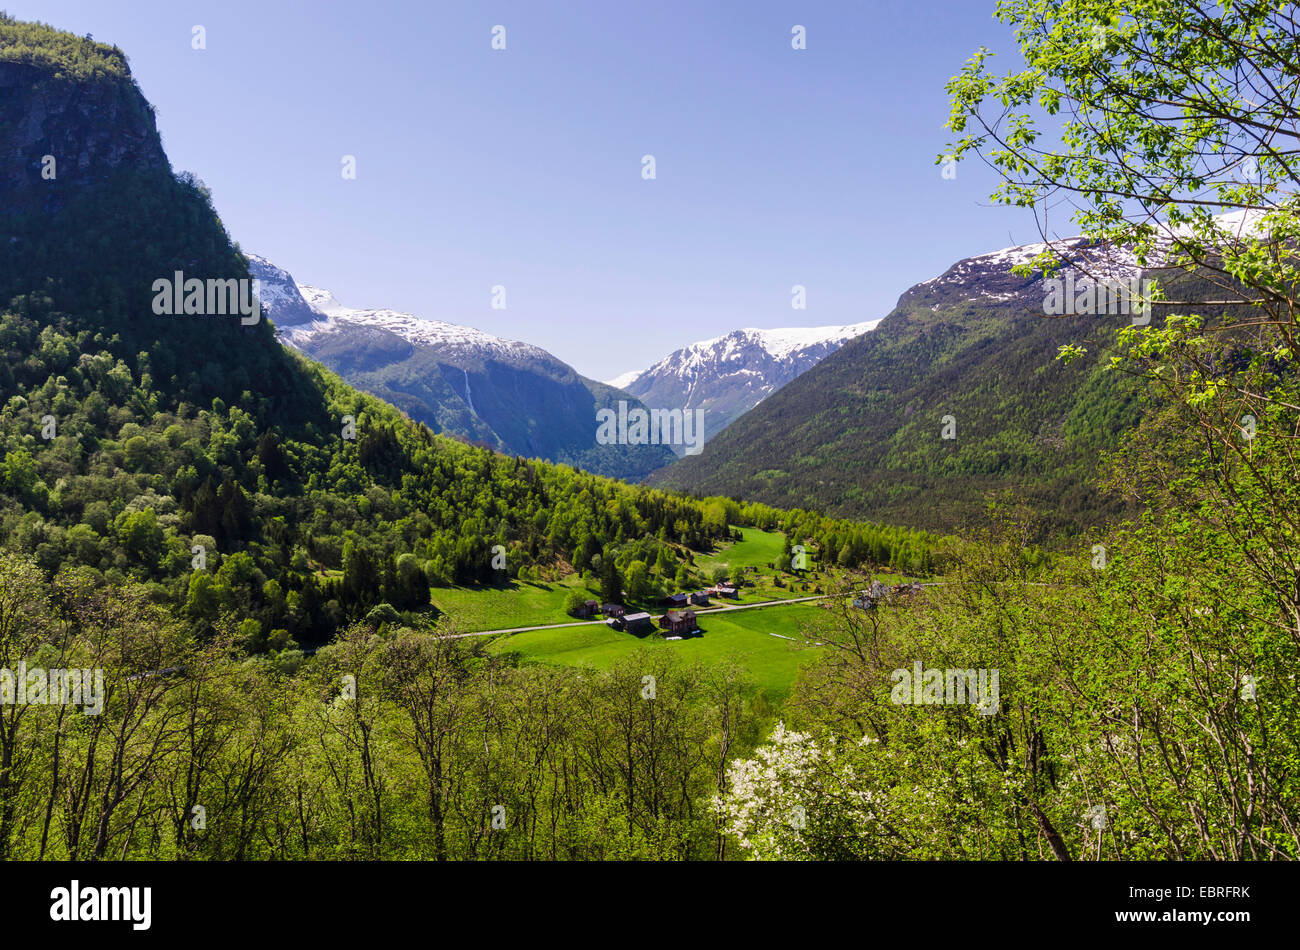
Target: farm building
x,y
724,590
613,610
676,600
588,608
700,598
634,623
679,621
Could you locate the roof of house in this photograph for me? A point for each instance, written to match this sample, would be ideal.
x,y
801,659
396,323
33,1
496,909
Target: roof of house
x,y
640,615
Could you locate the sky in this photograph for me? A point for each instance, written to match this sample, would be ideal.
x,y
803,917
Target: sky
x,y
522,168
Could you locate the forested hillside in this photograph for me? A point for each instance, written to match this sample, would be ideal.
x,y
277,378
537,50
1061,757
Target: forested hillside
x,y
186,507
864,433
197,456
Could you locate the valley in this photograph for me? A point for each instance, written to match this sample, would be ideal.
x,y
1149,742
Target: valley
x,y
994,577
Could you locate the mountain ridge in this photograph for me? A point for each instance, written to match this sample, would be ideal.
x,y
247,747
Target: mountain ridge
x,y
861,433
511,396
729,374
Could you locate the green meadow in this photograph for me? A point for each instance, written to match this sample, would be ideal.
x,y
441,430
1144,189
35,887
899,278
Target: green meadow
x,y
747,635
534,603
519,604
756,638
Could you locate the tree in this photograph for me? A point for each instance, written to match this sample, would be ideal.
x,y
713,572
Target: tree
x,y
1177,150
573,604
665,562
141,536
638,581
611,582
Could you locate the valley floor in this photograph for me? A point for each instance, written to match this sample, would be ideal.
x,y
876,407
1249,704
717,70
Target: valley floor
x,y
768,631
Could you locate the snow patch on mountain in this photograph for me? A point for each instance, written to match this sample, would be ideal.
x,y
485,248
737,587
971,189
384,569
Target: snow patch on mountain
x,y
782,345
619,382
451,338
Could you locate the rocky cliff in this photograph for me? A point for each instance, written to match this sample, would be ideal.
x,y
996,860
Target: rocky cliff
x,y
66,125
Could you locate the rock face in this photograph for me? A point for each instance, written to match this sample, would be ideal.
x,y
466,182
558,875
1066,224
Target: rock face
x,y
729,375
282,301
90,128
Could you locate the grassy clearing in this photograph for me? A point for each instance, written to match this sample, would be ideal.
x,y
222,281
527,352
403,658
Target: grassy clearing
x,y
758,549
530,603
744,634
519,604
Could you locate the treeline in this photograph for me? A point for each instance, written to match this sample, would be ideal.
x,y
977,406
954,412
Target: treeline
x,y
402,746
254,482
837,542
65,54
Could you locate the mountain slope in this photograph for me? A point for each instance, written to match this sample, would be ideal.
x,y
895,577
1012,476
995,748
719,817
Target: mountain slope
x,y
253,494
729,375
510,396
860,434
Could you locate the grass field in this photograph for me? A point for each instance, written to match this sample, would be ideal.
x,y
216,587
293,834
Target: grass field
x,y
521,604
758,549
746,634
530,603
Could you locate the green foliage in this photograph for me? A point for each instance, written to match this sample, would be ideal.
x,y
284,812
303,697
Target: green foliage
x,y
65,55
861,432
286,766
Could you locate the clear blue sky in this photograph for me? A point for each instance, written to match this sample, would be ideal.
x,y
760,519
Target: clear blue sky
x,y
523,167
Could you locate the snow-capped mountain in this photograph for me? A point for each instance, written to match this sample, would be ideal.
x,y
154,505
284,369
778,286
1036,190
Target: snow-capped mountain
x,y
279,294
988,277
331,317
859,435
729,375
511,396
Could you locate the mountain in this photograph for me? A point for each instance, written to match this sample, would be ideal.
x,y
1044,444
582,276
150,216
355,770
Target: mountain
x,y
861,433
509,396
231,485
731,374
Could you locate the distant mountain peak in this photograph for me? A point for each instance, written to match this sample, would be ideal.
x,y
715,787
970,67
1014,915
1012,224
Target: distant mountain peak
x,y
729,374
415,330
512,396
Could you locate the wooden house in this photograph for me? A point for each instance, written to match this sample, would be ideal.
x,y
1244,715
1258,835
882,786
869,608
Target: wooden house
x,y
679,621
637,622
